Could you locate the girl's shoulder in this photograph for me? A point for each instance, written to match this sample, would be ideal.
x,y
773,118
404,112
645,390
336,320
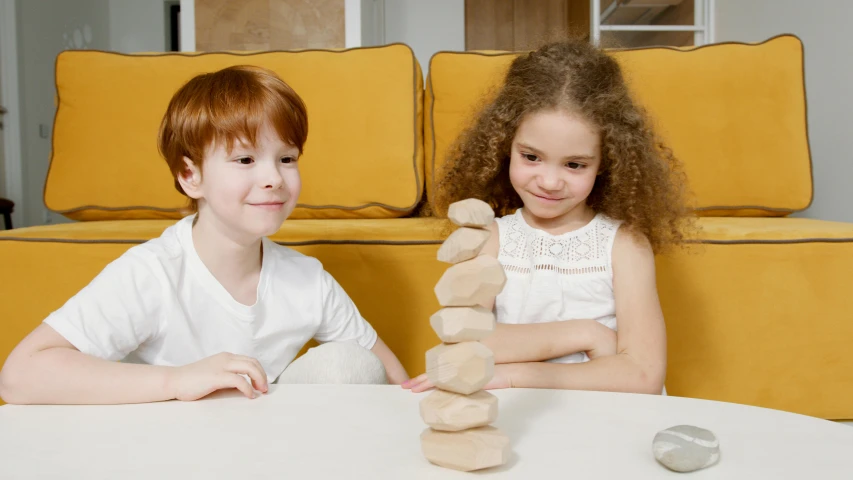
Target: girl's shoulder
x,y
608,224
512,219
629,240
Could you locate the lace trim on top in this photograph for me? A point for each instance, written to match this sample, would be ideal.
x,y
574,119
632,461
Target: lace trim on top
x,y
561,271
586,250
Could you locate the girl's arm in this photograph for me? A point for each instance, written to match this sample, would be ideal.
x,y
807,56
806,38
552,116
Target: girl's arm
x,y
640,361
537,342
46,369
393,368
534,343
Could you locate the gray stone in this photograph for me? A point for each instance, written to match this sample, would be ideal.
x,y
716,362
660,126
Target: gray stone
x,y
685,448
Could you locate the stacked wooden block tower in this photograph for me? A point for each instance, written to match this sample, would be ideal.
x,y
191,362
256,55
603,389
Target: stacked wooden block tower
x,y
458,412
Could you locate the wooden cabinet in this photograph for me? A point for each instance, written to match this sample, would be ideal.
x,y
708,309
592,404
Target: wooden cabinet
x,y
268,24
522,24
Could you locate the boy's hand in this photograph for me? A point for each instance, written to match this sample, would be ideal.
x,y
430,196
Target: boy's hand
x,y
220,371
500,379
603,341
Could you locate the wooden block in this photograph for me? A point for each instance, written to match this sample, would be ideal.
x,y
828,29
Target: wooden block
x,y
462,324
462,367
451,412
463,244
469,450
471,213
471,283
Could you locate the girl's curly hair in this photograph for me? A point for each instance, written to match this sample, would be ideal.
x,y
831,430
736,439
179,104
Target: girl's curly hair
x,y
640,181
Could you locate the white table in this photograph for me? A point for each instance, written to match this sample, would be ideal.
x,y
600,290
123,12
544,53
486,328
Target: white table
x,y
372,432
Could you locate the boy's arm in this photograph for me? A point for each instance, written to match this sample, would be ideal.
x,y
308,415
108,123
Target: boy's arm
x,y
71,358
46,369
393,368
67,358
640,362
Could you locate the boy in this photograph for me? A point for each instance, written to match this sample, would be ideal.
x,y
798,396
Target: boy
x,y
212,302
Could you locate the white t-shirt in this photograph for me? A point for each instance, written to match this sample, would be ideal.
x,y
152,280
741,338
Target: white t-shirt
x,y
159,304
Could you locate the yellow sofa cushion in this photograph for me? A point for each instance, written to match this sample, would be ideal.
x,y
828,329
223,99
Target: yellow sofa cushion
x,y
758,312
363,158
735,114
761,313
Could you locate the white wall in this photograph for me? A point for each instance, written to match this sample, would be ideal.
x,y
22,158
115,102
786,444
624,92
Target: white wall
x,y
426,26
823,26
12,187
138,26
45,28
372,28
2,148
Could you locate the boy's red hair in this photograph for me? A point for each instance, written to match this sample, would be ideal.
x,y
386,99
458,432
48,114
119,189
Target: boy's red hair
x,y
226,106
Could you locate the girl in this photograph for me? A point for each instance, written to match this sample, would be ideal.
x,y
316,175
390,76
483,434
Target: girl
x,y
585,196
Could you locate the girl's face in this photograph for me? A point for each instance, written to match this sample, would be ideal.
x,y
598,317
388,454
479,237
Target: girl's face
x,y
554,161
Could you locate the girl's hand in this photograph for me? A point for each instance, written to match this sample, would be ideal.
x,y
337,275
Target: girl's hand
x,y
603,341
418,384
500,379
220,371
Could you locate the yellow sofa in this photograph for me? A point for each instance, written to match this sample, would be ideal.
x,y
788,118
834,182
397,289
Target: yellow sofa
x,y
759,311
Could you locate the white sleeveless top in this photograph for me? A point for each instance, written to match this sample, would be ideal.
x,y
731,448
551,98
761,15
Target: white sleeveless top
x,y
557,277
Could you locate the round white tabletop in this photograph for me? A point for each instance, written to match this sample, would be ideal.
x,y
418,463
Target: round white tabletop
x,y
372,432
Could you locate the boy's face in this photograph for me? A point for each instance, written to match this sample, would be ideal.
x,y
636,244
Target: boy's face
x,y
250,190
